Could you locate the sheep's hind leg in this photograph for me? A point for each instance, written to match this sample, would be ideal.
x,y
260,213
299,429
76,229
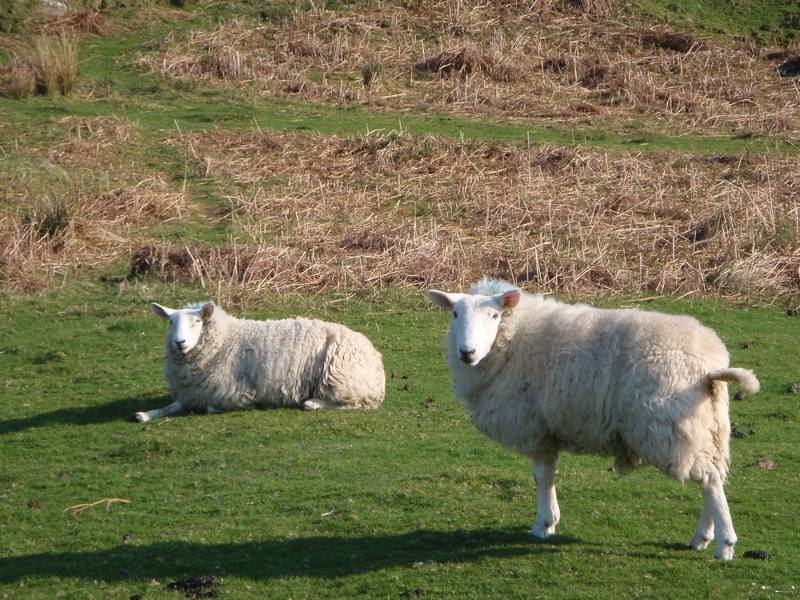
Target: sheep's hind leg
x,y
171,409
547,513
716,505
705,530
318,404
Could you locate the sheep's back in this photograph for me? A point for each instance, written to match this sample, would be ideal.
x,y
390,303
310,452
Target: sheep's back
x,y
283,359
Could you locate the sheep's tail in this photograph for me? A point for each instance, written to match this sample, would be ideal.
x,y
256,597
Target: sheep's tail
x,y
744,377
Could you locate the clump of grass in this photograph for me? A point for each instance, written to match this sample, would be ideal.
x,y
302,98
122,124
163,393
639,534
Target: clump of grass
x,y
20,78
47,218
56,61
49,66
370,71
463,60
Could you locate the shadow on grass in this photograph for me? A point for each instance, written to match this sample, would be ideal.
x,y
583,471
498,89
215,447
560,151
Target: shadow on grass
x,y
310,556
115,410
664,545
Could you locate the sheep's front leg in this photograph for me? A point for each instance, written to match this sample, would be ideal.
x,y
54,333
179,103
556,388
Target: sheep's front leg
x,y
547,512
171,409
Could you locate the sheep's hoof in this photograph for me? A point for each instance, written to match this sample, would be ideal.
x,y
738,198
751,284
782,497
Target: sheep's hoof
x,y
542,531
724,551
700,542
141,417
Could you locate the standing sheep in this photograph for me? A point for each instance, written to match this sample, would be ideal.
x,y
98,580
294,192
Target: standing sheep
x,y
540,376
215,362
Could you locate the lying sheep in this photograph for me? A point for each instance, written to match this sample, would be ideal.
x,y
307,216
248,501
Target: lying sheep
x,y
540,376
215,362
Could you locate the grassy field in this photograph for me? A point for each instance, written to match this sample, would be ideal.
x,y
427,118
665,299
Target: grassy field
x,y
285,159
408,500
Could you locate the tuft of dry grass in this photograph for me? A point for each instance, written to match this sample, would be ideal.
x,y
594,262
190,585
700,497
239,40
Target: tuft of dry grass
x,y
20,78
49,66
511,59
463,61
56,63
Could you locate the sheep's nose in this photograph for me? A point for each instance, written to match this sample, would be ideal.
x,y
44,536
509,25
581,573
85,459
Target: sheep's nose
x,y
180,344
467,354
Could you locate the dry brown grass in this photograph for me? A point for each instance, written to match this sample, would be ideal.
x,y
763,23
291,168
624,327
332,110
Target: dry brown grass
x,y
56,63
78,22
92,213
95,229
322,213
20,78
48,66
569,60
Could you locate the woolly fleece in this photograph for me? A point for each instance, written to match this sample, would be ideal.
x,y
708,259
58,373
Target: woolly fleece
x,y
241,363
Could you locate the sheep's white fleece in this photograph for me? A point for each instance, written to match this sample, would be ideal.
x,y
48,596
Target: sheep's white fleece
x,y
240,363
635,385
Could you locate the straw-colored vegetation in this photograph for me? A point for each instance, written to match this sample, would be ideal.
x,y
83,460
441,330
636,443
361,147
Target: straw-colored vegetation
x,y
246,212
572,62
64,213
312,212
324,213
48,66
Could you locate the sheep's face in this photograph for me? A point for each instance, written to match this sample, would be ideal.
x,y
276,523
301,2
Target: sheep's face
x,y
186,325
476,320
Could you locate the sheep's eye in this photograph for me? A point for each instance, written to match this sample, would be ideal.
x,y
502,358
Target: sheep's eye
x,y
495,315
455,315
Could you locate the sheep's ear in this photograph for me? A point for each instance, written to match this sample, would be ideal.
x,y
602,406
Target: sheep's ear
x,y
161,311
208,310
441,299
508,300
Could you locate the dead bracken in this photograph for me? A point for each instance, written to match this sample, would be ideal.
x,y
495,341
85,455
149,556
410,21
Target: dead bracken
x,y
470,65
312,212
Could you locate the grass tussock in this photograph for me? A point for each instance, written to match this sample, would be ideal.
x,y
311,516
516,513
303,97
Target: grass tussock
x,y
20,78
390,209
571,54
49,66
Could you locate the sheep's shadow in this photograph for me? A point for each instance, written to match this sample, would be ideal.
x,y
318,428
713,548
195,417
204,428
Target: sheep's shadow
x,y
122,409
665,545
318,556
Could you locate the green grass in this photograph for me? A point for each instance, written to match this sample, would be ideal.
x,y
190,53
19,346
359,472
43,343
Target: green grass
x,y
766,21
405,500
